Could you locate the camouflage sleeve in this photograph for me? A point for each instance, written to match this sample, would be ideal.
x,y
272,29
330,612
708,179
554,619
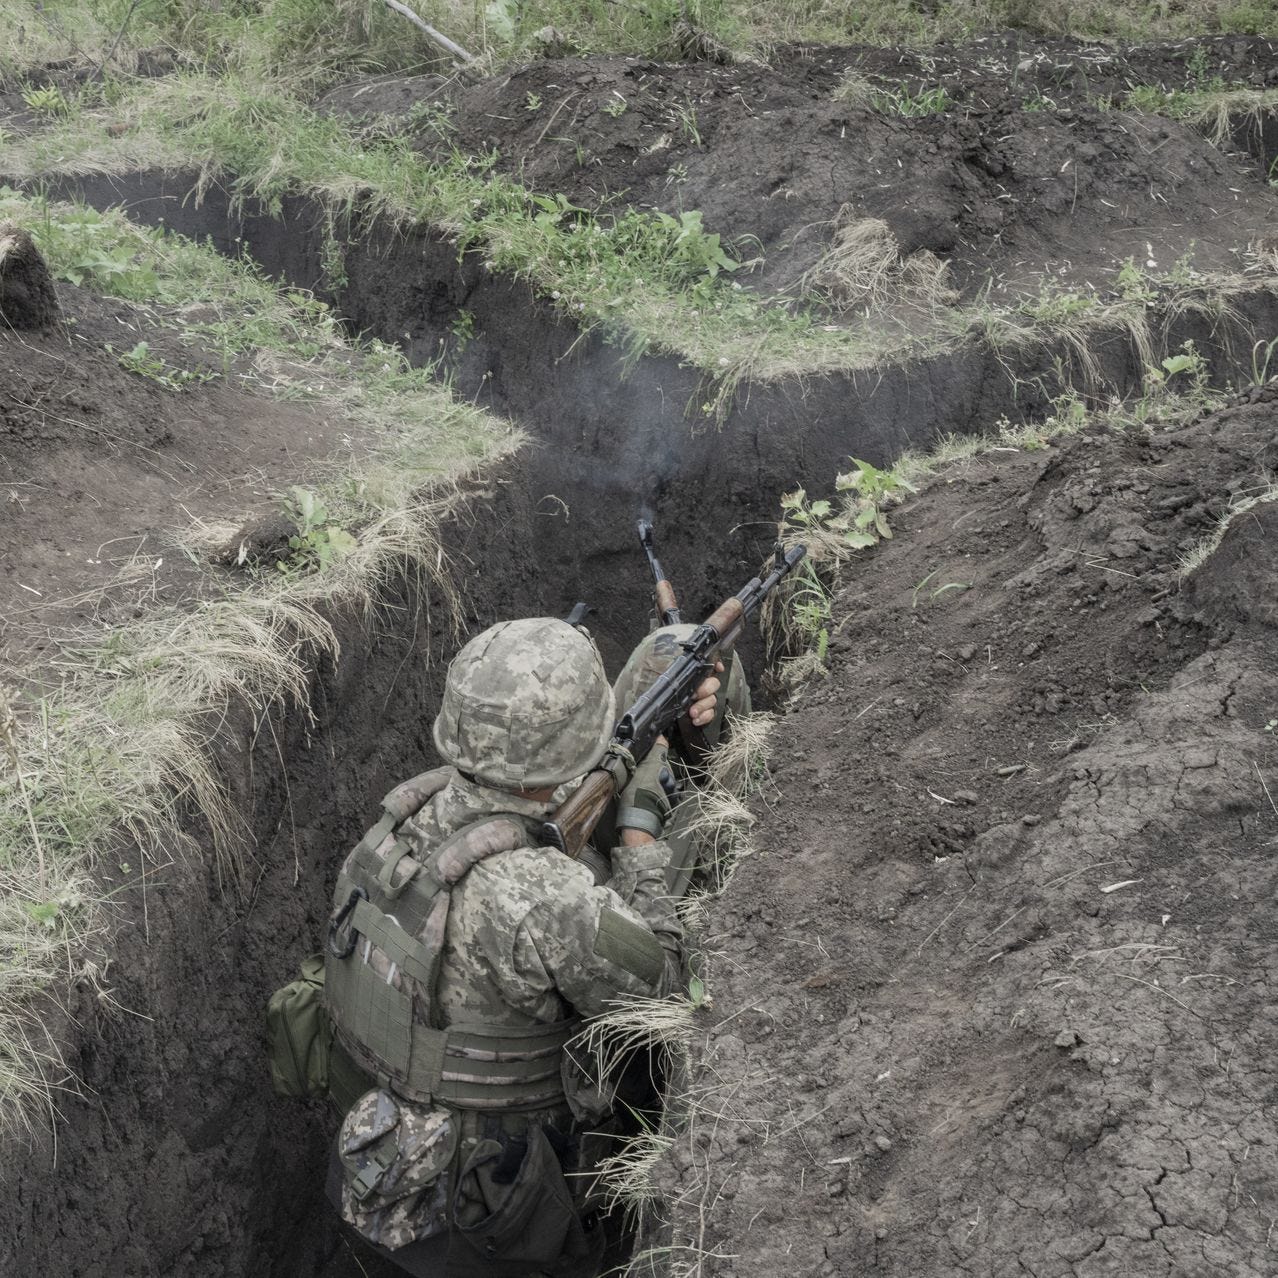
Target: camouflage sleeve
x,y
597,944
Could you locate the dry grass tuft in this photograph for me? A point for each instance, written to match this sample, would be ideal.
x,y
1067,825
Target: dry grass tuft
x,y
856,89
1230,112
864,267
1196,557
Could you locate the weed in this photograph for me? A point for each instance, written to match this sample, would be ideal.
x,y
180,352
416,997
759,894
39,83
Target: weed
x,y
428,116
1183,273
142,361
462,329
84,248
904,101
1038,101
615,106
318,541
685,119
1058,307
867,493
332,257
47,100
1196,64
1188,365
1133,284
532,101
809,603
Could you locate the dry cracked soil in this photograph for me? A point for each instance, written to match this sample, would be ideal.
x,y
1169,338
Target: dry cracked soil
x,y
997,994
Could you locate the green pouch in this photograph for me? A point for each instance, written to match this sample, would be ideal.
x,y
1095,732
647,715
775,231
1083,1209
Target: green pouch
x,y
299,1034
306,1059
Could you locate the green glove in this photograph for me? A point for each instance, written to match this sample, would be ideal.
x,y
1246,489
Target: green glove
x,y
646,802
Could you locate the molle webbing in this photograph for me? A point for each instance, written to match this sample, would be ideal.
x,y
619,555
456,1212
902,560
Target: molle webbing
x,y
503,1068
384,1010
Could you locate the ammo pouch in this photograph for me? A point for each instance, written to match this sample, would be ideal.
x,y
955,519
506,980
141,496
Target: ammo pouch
x,y
395,1160
304,1059
513,1207
385,944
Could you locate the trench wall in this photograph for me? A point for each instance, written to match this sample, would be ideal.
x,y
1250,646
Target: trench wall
x,y
610,438
173,1157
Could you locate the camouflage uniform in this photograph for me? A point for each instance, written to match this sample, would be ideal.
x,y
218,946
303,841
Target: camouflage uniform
x,y
532,938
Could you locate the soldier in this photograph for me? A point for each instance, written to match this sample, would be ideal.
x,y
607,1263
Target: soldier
x,y
462,958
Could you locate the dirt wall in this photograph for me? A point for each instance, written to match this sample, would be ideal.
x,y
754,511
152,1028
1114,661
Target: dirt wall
x,y
173,1156
997,995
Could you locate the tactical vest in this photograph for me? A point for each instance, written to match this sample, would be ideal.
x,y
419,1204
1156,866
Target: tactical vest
x,y
382,960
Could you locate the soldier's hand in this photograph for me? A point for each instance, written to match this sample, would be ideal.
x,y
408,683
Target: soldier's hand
x,y
646,801
702,709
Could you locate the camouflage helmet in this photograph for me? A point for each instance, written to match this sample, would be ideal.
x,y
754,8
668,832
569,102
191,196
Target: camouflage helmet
x,y
526,704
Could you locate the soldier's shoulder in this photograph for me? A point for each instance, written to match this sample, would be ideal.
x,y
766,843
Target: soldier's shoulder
x,y
537,867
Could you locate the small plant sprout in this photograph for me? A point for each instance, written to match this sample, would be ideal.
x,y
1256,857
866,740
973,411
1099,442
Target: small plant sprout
x,y
1261,356
46,99
532,101
685,117
1189,365
615,106
936,591
867,491
318,541
463,329
1271,725
1133,284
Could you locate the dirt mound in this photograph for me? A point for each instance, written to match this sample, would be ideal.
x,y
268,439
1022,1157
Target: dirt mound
x,y
1010,948
27,298
1023,161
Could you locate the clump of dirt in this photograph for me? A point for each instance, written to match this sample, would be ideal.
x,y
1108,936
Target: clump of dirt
x,y
996,997
1024,161
27,297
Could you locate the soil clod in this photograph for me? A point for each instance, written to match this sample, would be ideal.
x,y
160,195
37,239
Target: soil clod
x,y
27,297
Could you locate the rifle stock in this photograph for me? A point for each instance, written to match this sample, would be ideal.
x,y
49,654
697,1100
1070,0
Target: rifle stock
x,y
575,818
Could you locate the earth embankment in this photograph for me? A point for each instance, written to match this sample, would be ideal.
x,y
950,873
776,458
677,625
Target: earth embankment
x,y
1009,942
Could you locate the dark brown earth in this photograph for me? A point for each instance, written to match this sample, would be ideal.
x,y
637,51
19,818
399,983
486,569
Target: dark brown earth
x,y
1023,173
27,297
101,467
997,995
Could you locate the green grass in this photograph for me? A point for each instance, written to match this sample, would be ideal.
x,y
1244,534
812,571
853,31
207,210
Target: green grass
x,y
320,41
645,279
103,760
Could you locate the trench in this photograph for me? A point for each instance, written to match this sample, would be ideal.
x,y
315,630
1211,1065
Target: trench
x,y
173,1157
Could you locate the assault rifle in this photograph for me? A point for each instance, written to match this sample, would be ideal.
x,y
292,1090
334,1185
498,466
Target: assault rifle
x,y
661,707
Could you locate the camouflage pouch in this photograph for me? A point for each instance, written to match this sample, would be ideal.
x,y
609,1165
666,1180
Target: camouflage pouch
x,y
395,1158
